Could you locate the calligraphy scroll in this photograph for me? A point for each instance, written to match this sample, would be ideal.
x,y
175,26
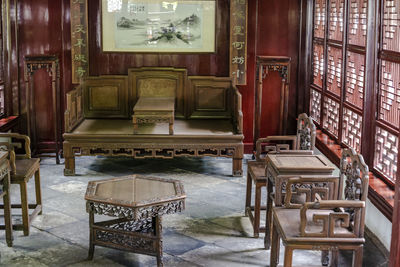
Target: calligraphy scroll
x,y
79,40
238,41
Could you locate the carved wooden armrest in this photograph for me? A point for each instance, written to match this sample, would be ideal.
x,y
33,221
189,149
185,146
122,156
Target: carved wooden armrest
x,y
314,188
18,136
336,215
237,112
277,147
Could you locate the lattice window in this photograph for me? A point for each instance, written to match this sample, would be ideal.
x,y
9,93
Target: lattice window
x,y
390,93
318,65
336,23
334,77
331,116
355,79
320,18
358,22
391,25
386,153
352,127
315,105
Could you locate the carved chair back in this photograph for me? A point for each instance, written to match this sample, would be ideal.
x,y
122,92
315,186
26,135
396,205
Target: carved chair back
x,y
306,132
10,147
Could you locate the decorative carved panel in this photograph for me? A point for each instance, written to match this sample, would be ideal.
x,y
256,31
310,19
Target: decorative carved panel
x,y
358,22
391,25
334,78
336,23
355,75
318,65
390,93
106,97
320,18
79,40
315,105
386,145
210,97
331,116
238,41
352,128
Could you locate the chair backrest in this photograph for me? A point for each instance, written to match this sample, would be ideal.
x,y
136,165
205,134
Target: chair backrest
x,y
354,178
306,133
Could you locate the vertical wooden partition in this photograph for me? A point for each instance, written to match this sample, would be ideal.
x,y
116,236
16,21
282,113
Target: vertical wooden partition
x,y
266,64
35,102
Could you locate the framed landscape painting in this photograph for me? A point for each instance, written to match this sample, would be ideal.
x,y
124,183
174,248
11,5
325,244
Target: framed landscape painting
x,y
158,26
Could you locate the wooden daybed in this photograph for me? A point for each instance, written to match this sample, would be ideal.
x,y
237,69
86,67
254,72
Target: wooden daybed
x,y
208,118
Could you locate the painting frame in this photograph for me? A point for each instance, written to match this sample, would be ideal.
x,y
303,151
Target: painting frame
x,y
158,26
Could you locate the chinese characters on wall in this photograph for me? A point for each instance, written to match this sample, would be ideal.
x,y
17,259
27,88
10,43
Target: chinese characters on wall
x,y
238,41
79,40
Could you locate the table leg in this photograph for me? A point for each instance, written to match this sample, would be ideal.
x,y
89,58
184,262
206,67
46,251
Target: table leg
x,y
157,224
171,126
268,221
7,211
91,244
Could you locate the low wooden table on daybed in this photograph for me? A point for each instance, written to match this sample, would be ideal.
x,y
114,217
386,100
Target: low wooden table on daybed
x,y
207,121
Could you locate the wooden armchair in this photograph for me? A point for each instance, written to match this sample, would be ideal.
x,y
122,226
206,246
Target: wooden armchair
x,y
22,169
302,143
322,224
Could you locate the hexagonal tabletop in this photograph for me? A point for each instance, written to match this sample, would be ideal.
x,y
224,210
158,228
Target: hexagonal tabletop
x,y
135,191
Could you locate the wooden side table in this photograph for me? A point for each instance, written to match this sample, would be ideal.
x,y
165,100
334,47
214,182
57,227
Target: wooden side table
x,y
281,167
154,110
138,203
5,193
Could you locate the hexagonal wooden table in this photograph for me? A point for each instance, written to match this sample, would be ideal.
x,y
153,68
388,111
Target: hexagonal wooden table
x,y
138,202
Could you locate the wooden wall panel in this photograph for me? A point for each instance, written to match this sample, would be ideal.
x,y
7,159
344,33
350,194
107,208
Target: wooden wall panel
x,y
215,64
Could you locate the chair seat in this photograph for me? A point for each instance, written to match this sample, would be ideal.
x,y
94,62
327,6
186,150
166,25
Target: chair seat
x,y
25,169
289,226
257,171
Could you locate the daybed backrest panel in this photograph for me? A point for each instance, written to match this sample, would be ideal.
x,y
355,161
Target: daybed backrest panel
x,y
156,87
159,82
210,97
106,97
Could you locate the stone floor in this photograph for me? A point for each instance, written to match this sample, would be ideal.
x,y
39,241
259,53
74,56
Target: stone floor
x,y
212,231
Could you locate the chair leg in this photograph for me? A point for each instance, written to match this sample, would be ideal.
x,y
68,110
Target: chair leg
x,y
287,262
24,206
257,207
38,190
275,243
248,195
334,259
268,221
7,213
358,256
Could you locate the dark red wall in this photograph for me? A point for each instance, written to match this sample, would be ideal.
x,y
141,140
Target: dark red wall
x,y
275,24
273,29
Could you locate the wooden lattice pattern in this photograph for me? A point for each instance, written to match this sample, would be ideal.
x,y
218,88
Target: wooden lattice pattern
x,y
391,25
331,116
334,70
386,153
352,128
318,65
315,105
336,23
358,22
390,93
355,75
320,18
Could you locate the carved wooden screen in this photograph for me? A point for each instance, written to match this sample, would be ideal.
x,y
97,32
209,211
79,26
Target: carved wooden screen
x,y
337,89
388,113
341,93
